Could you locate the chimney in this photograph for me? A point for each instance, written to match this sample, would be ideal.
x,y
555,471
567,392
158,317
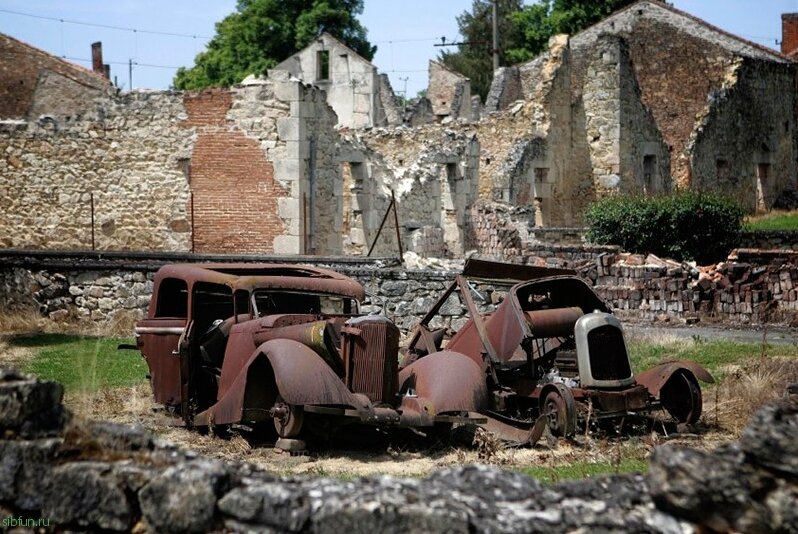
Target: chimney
x,y
97,58
789,32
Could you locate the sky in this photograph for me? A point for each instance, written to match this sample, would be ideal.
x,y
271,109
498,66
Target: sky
x,y
405,31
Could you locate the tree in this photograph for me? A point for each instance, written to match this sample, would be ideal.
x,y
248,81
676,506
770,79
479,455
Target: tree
x,y
261,33
524,32
474,59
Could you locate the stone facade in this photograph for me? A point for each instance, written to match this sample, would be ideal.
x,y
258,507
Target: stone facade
x,y
662,99
124,160
351,83
449,92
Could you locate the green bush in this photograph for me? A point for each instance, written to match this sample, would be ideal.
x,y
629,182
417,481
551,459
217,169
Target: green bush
x,y
684,226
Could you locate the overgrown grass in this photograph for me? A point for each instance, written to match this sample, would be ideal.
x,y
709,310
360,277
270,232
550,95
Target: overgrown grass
x,y
715,355
82,363
775,220
584,469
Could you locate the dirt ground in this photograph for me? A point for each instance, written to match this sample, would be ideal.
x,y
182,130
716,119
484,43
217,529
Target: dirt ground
x,y
726,408
397,455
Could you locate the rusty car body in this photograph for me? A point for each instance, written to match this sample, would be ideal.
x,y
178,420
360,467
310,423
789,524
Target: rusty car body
x,y
253,343
552,354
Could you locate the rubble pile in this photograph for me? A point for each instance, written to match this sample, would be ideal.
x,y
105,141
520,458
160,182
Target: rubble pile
x,y
102,476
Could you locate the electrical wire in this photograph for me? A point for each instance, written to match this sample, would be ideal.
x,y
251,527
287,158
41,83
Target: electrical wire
x,y
106,26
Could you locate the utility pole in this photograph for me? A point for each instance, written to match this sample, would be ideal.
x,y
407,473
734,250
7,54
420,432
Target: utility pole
x,y
404,92
130,74
495,34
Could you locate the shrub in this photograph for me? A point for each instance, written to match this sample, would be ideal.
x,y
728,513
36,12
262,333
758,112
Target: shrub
x,y
686,225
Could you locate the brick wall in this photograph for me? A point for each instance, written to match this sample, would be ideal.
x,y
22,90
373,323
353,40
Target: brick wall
x,y
789,32
233,190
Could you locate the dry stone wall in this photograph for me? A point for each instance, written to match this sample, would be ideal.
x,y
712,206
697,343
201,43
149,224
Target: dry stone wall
x,y
754,287
102,476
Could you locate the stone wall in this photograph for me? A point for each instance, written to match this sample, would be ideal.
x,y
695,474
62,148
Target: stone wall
x,y
101,476
350,83
247,169
685,105
128,155
744,145
751,288
449,92
432,171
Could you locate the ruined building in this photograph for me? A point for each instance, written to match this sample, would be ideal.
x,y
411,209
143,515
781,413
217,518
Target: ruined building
x,y
660,99
307,159
359,95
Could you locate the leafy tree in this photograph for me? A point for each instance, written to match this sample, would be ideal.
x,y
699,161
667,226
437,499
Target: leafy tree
x,y
474,58
524,32
261,33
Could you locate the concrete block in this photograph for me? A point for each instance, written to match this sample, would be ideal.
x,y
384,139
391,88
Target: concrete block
x,y
287,244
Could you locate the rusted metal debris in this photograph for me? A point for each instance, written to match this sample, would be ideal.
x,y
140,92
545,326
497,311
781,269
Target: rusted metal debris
x,y
286,345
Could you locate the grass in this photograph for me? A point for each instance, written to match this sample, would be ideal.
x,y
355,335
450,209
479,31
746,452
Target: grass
x,y
716,356
583,469
775,220
81,363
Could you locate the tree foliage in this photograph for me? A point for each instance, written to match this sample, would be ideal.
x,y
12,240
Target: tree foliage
x,y
261,33
687,225
524,32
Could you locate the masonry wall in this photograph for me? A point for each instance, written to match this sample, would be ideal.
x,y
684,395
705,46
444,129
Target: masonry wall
x,y
432,171
352,84
127,155
755,288
449,92
745,144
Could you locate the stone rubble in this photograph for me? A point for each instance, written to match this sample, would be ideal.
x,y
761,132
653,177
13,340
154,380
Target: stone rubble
x,y
100,476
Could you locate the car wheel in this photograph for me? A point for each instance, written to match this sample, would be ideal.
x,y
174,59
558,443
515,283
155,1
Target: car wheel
x,y
561,420
681,397
288,418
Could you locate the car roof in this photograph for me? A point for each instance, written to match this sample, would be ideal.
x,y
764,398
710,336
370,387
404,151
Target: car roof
x,y
250,276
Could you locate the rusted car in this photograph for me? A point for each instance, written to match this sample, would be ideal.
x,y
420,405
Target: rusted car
x,y
254,343
552,354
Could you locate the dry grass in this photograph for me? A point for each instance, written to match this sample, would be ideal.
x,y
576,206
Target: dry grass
x,y
120,323
746,388
12,356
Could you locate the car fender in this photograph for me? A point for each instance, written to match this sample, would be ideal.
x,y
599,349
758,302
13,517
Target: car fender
x,y
281,367
656,377
447,381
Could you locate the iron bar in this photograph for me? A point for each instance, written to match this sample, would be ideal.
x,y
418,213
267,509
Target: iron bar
x,y
379,230
91,199
396,224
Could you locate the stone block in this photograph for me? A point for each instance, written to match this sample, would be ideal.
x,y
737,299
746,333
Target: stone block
x,y
30,407
289,208
288,169
90,495
183,498
291,129
288,90
287,244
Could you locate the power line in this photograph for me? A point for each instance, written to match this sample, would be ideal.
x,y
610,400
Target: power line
x,y
135,63
106,26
